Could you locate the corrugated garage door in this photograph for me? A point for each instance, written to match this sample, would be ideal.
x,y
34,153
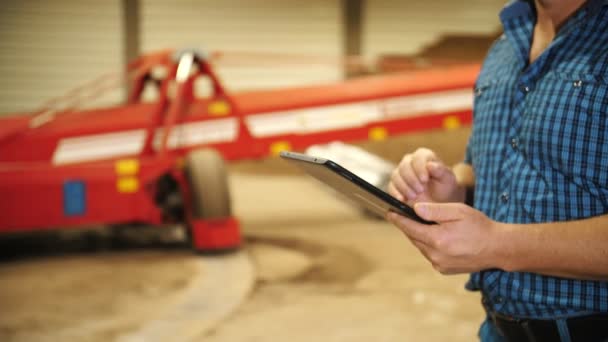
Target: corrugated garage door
x,y
406,27
49,47
300,27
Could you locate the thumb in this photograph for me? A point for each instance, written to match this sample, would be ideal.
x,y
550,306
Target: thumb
x,y
437,170
440,212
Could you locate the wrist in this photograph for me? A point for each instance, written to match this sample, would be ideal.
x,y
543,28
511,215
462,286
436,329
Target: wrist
x,y
504,246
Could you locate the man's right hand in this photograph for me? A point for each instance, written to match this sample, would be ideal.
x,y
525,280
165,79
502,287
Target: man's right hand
x,y
422,177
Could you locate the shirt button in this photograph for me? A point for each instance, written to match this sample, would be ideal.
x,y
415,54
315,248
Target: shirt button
x,y
504,197
499,300
525,88
515,143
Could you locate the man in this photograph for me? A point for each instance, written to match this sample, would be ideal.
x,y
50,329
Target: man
x,y
537,241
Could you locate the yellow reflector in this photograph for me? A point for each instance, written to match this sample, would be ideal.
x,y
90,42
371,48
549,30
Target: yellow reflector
x,y
127,184
377,133
180,163
451,122
279,146
218,108
126,167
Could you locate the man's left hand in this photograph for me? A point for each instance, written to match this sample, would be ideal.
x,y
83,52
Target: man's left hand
x,y
464,240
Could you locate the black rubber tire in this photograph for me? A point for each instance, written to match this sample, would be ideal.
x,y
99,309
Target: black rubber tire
x,y
208,179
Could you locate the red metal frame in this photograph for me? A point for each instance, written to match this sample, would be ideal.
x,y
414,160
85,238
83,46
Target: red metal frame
x,y
31,179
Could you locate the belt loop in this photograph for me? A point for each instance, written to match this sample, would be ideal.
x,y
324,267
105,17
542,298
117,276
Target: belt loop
x,y
562,329
529,334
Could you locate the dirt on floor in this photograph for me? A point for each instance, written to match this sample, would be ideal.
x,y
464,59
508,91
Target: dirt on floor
x,y
90,297
326,271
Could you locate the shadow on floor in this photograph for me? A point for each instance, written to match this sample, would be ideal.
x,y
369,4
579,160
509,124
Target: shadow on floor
x,y
20,246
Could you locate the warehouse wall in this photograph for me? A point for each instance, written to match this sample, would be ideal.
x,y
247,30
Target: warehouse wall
x,y
298,27
406,27
49,47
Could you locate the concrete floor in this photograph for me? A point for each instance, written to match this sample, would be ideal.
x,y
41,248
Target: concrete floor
x,y
324,272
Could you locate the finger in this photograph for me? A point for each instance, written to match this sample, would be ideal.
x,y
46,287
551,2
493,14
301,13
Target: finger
x,y
424,249
409,197
401,186
408,174
419,166
437,170
418,243
415,231
392,190
440,212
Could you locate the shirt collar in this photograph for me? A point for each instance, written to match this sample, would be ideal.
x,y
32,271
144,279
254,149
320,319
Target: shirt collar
x,y
525,8
518,18
516,8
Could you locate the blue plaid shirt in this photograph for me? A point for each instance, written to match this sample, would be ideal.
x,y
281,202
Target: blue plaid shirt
x,y
539,148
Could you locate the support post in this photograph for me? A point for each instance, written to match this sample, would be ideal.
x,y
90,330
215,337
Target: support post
x,y
131,37
352,11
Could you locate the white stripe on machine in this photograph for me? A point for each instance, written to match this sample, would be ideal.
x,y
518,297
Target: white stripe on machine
x,y
199,133
326,118
99,146
299,121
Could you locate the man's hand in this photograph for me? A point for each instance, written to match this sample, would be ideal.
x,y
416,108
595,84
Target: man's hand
x,y
422,176
463,241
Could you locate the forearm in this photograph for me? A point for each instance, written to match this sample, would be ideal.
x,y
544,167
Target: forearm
x,y
574,249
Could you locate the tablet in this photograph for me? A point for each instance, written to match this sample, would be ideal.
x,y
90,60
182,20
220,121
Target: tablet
x,y
350,185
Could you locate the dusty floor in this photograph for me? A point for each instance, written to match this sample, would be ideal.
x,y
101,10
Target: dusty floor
x,y
87,297
325,271
91,285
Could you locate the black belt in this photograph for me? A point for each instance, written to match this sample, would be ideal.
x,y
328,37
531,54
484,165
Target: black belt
x,y
593,328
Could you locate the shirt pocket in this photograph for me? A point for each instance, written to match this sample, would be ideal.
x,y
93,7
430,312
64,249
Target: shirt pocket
x,y
565,128
583,93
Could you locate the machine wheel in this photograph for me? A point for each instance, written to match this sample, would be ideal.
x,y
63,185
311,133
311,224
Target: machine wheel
x,y
206,173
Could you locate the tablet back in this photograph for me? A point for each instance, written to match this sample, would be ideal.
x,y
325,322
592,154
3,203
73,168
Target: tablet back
x,y
350,185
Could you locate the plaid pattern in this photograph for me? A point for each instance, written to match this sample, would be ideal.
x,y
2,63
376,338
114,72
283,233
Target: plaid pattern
x,y
539,148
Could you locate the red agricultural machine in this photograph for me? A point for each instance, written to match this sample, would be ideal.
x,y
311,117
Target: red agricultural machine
x,y
162,161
